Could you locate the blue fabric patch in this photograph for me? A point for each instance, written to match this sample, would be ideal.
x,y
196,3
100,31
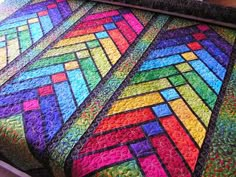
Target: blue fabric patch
x,y
117,18
213,64
110,26
78,85
28,84
173,42
65,99
170,94
36,31
51,118
173,50
101,35
152,128
207,75
2,44
161,62
162,110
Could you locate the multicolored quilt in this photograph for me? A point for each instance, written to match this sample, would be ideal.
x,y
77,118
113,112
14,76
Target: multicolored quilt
x,y
88,89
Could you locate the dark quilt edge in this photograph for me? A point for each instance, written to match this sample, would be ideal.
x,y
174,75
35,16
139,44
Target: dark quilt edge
x,y
203,155
193,10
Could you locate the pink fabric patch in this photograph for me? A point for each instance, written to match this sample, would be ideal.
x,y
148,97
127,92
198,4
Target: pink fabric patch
x,y
88,24
169,156
203,27
101,15
31,105
133,22
88,164
129,34
151,166
51,6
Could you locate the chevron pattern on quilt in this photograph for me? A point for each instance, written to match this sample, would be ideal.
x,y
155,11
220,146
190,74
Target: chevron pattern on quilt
x,y
53,87
158,123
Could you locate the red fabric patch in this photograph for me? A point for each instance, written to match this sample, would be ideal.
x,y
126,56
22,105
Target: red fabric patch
x,y
120,41
194,46
170,156
46,90
125,119
181,139
126,30
60,77
116,137
199,36
81,32
43,13
51,6
88,24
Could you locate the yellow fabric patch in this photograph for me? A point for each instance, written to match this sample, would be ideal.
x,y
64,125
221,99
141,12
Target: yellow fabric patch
x,y
13,46
72,65
189,120
64,50
184,67
135,102
145,87
100,60
83,54
75,40
33,20
111,50
197,105
189,56
23,28
3,57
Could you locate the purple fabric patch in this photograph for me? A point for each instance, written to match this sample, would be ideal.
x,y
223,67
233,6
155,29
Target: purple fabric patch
x,y
141,148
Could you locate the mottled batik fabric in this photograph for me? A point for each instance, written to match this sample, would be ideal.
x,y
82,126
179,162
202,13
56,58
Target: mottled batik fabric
x,y
89,89
222,156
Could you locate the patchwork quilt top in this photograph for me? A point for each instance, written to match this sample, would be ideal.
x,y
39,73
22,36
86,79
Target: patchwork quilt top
x,y
88,89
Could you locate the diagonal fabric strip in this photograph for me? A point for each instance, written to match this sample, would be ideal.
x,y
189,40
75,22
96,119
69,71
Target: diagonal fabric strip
x,y
81,123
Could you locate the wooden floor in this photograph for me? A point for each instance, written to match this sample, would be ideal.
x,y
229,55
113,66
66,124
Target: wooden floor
x,y
7,170
227,3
